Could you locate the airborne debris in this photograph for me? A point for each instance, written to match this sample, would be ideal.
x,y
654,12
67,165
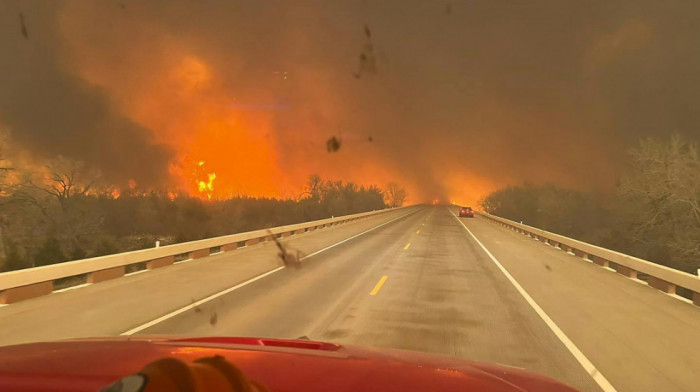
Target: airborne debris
x,y
24,27
367,59
547,267
448,9
213,319
333,144
197,309
369,139
288,259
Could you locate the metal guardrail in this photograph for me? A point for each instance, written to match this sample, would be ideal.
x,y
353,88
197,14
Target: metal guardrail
x,y
37,281
660,277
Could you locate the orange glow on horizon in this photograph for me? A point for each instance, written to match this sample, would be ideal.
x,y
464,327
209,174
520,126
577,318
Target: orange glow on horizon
x,y
223,150
199,123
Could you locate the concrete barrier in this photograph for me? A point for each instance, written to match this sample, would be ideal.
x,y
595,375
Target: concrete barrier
x,y
33,282
660,277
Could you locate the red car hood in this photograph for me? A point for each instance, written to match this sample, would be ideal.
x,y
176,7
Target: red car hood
x,y
281,365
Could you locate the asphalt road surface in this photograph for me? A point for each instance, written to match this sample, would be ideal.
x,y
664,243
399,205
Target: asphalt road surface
x,y
417,279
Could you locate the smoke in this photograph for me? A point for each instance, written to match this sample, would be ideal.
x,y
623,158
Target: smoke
x,y
51,110
451,99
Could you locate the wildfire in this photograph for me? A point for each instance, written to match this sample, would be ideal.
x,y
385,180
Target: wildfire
x,y
233,148
208,187
204,180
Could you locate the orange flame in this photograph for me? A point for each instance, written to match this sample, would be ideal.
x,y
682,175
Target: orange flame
x,y
207,187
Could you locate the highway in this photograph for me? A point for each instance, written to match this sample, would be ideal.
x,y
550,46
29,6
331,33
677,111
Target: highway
x,y
417,279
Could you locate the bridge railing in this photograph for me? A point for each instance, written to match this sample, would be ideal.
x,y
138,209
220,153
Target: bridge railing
x,y
33,282
658,276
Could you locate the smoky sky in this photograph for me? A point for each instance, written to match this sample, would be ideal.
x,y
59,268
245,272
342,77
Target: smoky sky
x,y
453,94
52,111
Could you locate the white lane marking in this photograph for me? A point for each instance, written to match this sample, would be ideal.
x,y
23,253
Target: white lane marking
x,y
247,282
137,272
195,304
355,236
588,366
71,288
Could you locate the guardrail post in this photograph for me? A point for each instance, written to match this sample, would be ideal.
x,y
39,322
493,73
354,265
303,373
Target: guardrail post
x,y
601,261
17,294
625,271
661,285
161,262
199,253
229,247
106,274
659,277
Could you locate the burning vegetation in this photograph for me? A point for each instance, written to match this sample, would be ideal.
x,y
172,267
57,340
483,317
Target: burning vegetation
x,y
65,210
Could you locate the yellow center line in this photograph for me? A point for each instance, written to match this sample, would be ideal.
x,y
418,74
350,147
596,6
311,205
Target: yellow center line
x,y
376,288
407,246
417,231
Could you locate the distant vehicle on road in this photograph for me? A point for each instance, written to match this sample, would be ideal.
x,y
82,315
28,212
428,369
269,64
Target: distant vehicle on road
x,y
466,212
222,364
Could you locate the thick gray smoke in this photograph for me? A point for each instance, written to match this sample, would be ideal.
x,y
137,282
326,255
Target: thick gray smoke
x,y
51,111
500,91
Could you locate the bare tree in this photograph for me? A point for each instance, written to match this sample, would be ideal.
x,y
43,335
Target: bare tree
x,y
65,179
5,164
5,168
314,188
61,192
394,195
664,190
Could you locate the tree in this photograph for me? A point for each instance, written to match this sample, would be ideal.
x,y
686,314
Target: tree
x,y
394,195
77,253
14,259
654,214
314,188
5,163
50,252
663,196
5,168
104,247
66,179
